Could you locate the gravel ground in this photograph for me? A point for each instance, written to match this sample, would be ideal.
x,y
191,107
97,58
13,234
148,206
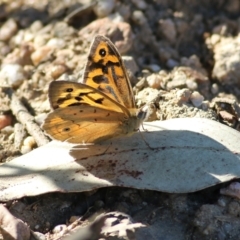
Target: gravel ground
x,y
181,55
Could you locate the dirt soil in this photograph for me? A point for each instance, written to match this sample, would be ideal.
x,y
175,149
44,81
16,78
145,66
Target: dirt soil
x,y
181,55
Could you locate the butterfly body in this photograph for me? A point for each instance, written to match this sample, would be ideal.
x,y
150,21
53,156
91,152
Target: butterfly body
x,y
100,108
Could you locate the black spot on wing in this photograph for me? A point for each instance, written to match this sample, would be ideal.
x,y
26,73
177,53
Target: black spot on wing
x,y
62,100
113,64
99,100
95,65
74,104
100,79
68,89
102,52
78,99
84,94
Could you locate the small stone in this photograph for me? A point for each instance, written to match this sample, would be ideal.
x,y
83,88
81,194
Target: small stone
x,y
73,219
146,95
41,40
192,85
4,49
58,70
233,6
168,29
232,190
171,63
59,228
29,141
13,74
37,227
205,105
226,60
25,149
21,56
120,32
140,4
7,130
19,38
154,67
41,54
56,43
183,95
154,81
36,26
28,37
226,116
214,89
5,120
104,7
8,29
234,208
222,202
138,17
215,38
39,236
28,144
196,99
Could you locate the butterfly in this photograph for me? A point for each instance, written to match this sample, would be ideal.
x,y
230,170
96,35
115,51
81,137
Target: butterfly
x,y
99,108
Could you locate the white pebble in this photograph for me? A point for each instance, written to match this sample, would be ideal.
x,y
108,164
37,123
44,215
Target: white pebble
x,y
29,141
138,17
191,84
36,26
56,43
183,95
59,228
13,74
214,89
196,99
25,149
154,80
104,7
8,29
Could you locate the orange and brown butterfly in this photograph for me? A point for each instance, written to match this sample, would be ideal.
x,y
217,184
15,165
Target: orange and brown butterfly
x,y
100,108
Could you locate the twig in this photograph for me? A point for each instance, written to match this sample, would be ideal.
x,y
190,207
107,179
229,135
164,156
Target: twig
x,y
24,117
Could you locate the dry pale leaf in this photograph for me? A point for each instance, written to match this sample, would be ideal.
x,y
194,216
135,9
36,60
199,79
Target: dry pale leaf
x,y
186,155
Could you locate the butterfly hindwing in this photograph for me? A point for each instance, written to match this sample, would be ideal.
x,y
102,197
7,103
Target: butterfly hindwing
x,y
85,124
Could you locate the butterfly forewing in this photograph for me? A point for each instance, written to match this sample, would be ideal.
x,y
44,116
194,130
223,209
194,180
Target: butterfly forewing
x,y
64,94
105,71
